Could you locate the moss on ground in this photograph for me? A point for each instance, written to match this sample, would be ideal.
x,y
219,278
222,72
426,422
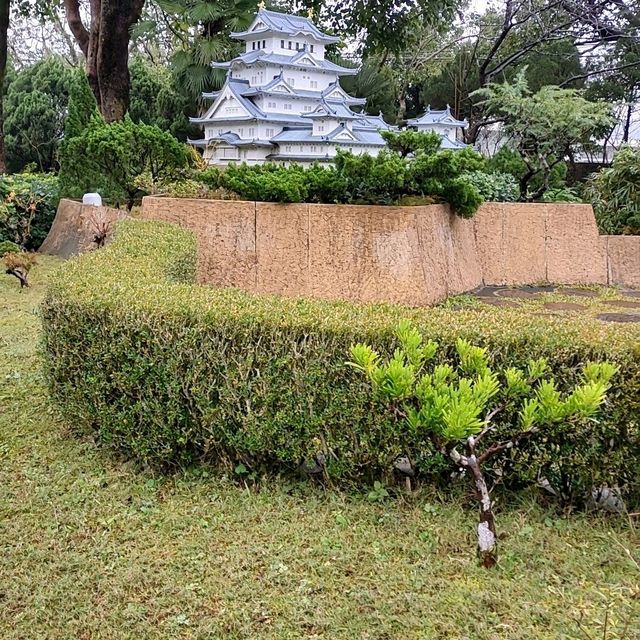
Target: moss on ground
x,y
94,548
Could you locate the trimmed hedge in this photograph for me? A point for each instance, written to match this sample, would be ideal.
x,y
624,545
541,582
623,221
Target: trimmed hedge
x,y
171,373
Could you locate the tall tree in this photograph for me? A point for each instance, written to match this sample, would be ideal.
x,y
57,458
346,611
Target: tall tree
x,y
36,104
105,45
4,29
545,127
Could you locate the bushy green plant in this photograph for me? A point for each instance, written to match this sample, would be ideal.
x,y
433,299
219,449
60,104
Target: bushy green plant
x,y
495,186
371,179
545,126
409,141
210,177
324,184
462,195
473,413
111,158
268,182
565,194
28,204
614,193
172,373
508,160
35,108
364,179
6,246
18,264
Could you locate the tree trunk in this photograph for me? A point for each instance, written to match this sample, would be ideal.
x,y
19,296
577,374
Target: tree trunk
x,y
4,28
106,48
92,50
487,538
627,123
116,18
21,275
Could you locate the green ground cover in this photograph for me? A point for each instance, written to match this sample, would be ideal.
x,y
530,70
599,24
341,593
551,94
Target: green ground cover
x,y
95,548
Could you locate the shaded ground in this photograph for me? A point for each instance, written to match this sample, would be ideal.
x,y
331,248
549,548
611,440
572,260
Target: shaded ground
x,y
607,304
92,548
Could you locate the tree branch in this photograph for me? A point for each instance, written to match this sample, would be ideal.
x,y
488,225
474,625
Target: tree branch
x,y
74,20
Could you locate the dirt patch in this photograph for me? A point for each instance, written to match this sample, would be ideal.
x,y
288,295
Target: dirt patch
x,y
574,291
497,302
619,317
623,304
564,306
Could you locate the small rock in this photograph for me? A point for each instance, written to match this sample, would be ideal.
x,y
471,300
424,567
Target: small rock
x,y
607,499
403,465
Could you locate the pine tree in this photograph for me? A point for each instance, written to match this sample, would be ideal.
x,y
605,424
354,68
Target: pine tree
x,y
82,106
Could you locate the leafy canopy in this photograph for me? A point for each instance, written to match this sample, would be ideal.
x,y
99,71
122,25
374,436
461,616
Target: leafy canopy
x,y
452,403
614,193
547,125
113,158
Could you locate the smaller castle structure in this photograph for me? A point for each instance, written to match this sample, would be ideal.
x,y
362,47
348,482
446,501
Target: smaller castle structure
x,y
444,123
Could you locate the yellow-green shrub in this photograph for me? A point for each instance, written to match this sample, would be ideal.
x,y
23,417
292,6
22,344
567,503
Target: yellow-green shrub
x,y
171,372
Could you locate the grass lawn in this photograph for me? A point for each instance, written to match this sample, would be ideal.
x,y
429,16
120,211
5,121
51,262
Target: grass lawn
x,y
90,547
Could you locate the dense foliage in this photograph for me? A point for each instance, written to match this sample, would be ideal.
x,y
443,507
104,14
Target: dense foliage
x,y
508,160
615,193
28,204
364,179
120,160
35,110
546,126
474,415
494,186
409,141
171,373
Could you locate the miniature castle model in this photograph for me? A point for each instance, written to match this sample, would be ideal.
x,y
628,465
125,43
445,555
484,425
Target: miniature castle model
x,y
444,123
282,100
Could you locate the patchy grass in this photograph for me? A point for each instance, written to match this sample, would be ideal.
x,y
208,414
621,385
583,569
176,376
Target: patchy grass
x,y
93,548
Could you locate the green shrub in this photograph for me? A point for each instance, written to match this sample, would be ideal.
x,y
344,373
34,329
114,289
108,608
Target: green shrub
x,y
371,179
409,141
508,160
268,182
121,160
6,246
614,193
462,195
494,187
28,204
210,177
172,373
364,179
477,416
563,194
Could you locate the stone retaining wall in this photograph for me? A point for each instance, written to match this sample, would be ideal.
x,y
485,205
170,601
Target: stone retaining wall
x,y
74,228
623,259
414,255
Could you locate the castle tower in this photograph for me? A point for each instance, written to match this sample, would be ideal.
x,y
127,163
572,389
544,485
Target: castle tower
x,y
282,100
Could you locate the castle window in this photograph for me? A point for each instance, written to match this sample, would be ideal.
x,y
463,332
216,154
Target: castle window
x,y
252,131
269,133
289,44
264,44
314,84
282,44
311,49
